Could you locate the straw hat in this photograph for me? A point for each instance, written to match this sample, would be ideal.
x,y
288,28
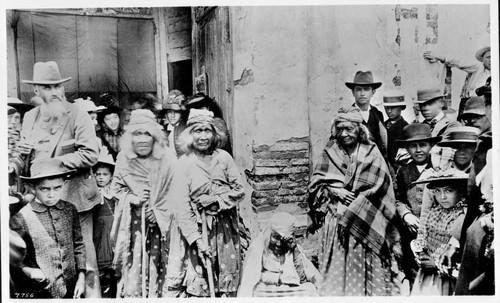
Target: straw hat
x,y
393,98
451,175
480,53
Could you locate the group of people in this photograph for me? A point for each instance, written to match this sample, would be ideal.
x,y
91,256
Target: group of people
x,y
406,208
103,208
149,207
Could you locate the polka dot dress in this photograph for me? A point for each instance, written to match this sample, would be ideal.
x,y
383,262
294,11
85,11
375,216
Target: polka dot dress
x,y
351,271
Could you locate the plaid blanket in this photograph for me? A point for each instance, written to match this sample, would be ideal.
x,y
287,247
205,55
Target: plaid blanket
x,y
369,217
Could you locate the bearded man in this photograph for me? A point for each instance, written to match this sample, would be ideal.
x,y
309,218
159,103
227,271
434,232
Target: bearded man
x,y
58,129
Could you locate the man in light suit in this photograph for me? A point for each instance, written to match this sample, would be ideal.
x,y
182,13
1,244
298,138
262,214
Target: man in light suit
x,y
58,129
431,101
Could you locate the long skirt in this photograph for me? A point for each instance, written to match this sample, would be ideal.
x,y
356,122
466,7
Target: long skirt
x,y
432,284
188,277
355,271
130,284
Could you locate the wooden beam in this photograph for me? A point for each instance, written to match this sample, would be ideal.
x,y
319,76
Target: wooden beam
x,y
161,52
13,89
80,12
179,54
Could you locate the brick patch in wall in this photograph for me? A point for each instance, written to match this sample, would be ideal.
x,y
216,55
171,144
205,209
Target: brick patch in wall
x,y
280,174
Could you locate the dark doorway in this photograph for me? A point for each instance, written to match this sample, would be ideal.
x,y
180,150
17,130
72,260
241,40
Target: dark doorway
x,y
180,76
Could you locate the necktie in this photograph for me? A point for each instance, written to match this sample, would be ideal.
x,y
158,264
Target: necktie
x,y
432,123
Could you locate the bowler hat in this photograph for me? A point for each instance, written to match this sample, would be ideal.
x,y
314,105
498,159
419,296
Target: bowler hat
x,y
363,79
460,134
46,73
417,132
475,106
428,94
480,53
393,98
47,167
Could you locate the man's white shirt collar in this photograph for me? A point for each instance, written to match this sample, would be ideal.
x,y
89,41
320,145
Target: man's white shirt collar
x,y
365,113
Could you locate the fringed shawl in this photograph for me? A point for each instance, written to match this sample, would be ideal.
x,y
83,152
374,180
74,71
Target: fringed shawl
x,y
368,217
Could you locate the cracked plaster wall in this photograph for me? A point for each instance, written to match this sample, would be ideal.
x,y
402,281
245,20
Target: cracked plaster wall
x,y
290,63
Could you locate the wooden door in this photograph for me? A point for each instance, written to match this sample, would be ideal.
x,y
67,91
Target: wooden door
x,y
212,55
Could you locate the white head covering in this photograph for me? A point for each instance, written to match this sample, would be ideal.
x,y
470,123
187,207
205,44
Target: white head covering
x,y
283,223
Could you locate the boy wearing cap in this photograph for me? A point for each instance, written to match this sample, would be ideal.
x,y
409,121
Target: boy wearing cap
x,y
394,104
418,141
55,253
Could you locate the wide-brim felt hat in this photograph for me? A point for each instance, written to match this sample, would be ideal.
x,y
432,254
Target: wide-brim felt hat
x,y
106,158
363,79
475,106
480,53
460,134
48,167
428,94
417,132
451,175
46,73
393,98
19,105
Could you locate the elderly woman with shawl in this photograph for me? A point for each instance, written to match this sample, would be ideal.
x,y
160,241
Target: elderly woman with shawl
x,y
276,265
143,183
351,193
208,188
